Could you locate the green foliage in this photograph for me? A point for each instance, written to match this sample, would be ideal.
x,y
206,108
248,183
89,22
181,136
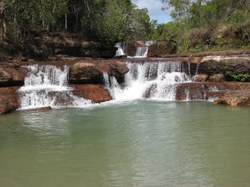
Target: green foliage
x,y
108,21
238,77
210,25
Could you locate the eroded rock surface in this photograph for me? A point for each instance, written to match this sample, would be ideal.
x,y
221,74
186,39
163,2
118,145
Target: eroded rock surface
x,y
12,74
8,99
234,97
88,72
94,92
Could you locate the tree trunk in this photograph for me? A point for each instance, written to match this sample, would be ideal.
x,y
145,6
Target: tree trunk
x,y
2,29
65,21
2,22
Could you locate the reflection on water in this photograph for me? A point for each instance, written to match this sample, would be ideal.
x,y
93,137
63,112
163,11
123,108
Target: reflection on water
x,y
48,123
134,144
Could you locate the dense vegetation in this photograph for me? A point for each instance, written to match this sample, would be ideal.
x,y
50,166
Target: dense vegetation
x,y
206,25
105,20
197,25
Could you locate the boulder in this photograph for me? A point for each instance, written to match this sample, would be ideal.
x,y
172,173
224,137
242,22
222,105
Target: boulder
x,y
161,49
94,92
86,72
12,75
8,99
216,78
200,78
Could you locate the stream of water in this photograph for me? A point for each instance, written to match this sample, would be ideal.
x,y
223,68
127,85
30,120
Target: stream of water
x,y
130,141
136,143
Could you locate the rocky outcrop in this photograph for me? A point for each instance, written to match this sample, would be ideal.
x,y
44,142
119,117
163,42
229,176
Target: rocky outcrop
x,y
8,99
229,67
94,92
162,49
216,78
12,74
233,93
234,97
200,77
45,45
86,72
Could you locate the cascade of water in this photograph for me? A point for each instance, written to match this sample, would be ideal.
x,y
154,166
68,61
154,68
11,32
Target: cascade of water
x,y
120,49
152,80
47,86
142,52
197,69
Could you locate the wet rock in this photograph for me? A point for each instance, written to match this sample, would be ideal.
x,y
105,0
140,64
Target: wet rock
x,y
11,74
216,78
200,78
85,72
8,99
92,71
207,90
234,98
95,93
47,108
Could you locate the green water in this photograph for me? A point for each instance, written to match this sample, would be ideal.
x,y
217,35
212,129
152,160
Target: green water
x,y
142,144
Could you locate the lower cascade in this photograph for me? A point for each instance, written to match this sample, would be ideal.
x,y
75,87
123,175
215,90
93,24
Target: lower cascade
x,y
47,86
149,80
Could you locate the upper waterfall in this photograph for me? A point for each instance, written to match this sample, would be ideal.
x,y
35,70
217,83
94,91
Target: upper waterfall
x,y
120,49
140,49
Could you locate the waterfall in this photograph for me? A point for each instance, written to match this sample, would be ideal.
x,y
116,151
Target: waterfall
x,y
120,49
46,86
142,52
149,80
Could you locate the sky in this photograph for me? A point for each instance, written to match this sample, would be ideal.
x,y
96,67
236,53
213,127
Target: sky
x,y
154,9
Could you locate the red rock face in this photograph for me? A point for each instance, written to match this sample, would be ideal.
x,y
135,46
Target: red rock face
x,y
231,93
96,93
11,74
90,72
234,98
8,99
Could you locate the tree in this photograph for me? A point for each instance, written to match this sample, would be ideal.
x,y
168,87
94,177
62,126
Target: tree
x,y
2,21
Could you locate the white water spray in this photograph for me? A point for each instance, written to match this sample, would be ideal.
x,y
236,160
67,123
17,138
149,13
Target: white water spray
x,y
121,48
150,80
46,86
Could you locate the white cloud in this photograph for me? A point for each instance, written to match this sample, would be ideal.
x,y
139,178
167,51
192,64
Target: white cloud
x,y
154,9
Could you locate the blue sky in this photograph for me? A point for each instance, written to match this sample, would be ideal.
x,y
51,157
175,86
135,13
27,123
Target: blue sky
x,y
154,9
